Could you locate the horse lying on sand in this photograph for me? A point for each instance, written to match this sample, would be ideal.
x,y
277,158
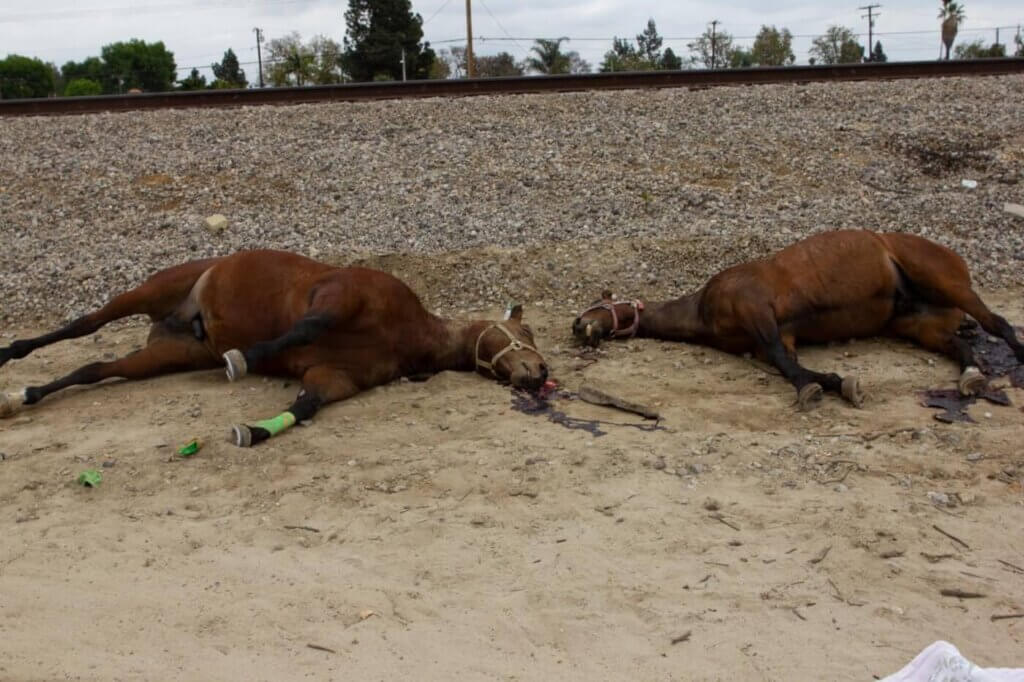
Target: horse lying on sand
x,y
339,330
829,287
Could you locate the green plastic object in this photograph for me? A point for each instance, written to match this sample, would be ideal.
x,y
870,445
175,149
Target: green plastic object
x,y
90,478
190,448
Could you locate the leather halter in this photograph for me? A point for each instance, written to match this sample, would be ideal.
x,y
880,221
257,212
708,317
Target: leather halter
x,y
628,332
514,344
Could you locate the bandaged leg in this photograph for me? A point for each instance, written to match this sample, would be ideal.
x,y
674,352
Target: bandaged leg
x,y
245,436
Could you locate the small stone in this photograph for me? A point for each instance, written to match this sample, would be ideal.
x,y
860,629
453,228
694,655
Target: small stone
x,y
216,223
975,457
351,462
939,499
711,504
1014,209
840,488
659,463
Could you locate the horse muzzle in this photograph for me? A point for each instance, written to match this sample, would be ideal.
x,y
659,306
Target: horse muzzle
x,y
588,332
529,375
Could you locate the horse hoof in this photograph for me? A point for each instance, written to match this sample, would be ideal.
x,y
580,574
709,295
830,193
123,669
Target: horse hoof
x,y
809,396
972,382
10,403
852,392
241,436
236,364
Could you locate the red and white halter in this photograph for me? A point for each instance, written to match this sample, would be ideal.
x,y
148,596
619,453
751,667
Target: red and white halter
x,y
628,332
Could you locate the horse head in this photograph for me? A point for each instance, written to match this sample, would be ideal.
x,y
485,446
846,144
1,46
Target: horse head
x,y
506,351
607,318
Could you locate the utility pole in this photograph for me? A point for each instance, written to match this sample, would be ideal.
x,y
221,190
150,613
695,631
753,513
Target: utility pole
x,y
714,24
403,63
469,40
259,55
871,26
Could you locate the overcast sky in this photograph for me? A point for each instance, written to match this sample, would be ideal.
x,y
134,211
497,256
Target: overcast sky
x,y
198,32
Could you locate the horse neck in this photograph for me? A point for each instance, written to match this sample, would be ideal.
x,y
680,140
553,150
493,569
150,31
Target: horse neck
x,y
455,345
675,320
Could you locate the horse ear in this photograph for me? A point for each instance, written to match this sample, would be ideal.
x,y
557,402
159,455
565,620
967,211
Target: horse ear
x,y
514,311
607,295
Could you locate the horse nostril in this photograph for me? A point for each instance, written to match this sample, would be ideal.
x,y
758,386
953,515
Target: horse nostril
x,y
543,371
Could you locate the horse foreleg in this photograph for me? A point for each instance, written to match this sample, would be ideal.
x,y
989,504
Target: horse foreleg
x,y
303,332
780,350
157,297
320,386
163,356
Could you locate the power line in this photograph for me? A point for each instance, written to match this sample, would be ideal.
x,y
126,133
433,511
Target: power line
x,y
443,5
500,26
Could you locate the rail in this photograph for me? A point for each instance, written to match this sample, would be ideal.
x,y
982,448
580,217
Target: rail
x,y
507,86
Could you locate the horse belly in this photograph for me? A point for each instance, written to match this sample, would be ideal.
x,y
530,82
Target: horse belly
x,y
868,318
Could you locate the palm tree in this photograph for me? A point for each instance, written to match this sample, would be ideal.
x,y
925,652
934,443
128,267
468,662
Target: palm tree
x,y
550,58
951,13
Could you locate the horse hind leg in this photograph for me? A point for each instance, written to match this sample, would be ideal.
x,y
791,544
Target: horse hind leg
x,y
935,329
164,355
157,297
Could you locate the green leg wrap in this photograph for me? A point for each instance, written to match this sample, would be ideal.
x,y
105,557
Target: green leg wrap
x,y
278,424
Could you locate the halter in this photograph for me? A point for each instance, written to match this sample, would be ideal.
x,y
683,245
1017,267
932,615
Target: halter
x,y
514,344
630,331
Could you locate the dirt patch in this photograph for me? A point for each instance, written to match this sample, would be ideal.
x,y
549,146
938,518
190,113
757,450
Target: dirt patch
x,y
431,531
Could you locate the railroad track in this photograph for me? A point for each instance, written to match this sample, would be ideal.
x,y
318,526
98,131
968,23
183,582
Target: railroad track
x,y
509,86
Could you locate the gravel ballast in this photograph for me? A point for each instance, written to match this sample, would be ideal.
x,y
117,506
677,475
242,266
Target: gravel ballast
x,y
543,197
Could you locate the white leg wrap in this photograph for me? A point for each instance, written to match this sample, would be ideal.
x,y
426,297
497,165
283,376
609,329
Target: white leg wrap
x,y
972,381
236,364
11,403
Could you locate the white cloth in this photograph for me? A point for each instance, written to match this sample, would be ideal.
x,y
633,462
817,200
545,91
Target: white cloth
x,y
942,662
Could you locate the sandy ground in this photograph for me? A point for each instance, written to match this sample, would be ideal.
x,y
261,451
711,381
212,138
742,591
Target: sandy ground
x,y
430,531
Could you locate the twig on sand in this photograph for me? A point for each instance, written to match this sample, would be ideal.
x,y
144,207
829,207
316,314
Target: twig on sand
x,y
595,396
962,594
685,637
718,517
1006,616
322,648
1015,567
820,556
311,529
796,612
952,537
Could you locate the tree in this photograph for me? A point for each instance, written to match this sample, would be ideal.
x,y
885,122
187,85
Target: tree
x,y
80,87
1020,45
497,65
23,77
377,33
550,59
90,69
712,48
878,54
328,61
228,73
645,56
977,50
484,66
838,46
649,43
952,15
195,81
289,62
740,58
669,61
137,64
773,47
623,57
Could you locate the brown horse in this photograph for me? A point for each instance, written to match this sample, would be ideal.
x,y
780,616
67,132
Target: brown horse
x,y
828,287
339,330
